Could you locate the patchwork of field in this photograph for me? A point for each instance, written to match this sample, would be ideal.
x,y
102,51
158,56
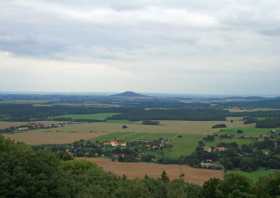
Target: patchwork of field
x,y
36,138
188,127
139,170
89,130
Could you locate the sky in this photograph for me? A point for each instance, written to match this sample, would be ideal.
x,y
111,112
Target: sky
x,y
228,47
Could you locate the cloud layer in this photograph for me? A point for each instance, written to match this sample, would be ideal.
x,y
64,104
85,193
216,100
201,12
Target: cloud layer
x,y
192,46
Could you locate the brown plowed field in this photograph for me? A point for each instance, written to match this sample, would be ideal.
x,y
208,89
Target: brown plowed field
x,y
139,170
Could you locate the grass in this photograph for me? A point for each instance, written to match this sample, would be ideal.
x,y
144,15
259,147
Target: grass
x,y
182,146
255,175
87,117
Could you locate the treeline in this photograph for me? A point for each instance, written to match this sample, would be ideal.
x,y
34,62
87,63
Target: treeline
x,y
169,111
255,103
192,114
27,112
268,123
258,114
28,173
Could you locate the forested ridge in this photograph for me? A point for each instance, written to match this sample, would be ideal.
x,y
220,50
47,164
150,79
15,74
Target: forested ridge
x,y
29,173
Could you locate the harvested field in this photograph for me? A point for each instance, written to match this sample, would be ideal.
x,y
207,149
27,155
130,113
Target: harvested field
x,y
139,170
36,138
4,125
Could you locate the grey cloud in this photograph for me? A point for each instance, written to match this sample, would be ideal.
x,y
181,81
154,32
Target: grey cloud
x,y
184,37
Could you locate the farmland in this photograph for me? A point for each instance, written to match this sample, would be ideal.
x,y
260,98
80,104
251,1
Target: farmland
x,y
195,128
139,170
37,138
4,125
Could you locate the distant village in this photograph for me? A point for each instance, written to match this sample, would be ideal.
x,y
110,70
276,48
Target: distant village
x,y
33,126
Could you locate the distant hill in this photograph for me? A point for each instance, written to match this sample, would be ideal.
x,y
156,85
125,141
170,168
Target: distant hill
x,y
129,94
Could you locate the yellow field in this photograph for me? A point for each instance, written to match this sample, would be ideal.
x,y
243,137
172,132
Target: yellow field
x,y
4,125
75,132
36,138
139,170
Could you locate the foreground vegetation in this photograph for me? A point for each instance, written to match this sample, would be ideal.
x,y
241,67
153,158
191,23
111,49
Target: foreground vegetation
x,y
28,173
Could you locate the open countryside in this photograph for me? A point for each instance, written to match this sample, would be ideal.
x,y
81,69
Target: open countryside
x,y
139,99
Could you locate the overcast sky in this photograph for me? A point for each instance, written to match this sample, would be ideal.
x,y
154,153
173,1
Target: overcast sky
x,y
197,46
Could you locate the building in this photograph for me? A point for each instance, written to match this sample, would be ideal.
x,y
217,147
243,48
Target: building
x,y
115,143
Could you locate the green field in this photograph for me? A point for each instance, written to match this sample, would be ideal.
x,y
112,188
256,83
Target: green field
x,y
182,146
255,175
87,117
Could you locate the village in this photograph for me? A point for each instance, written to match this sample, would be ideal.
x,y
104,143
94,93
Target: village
x,y
33,126
261,151
117,150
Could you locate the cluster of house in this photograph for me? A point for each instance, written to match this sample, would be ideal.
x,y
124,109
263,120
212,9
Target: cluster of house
x,y
150,145
33,126
209,164
115,143
215,149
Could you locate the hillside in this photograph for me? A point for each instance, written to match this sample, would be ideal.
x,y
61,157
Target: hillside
x,y
130,94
